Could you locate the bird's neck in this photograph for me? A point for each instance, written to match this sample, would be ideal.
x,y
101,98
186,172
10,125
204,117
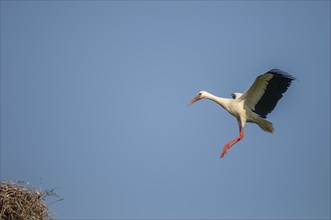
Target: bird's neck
x,y
224,102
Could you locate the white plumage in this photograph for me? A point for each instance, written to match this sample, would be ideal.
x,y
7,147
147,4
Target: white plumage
x,y
255,104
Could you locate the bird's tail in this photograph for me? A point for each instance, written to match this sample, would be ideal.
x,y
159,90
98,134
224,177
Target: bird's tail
x,y
265,125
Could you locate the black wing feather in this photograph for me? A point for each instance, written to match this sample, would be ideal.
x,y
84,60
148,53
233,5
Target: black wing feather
x,y
274,91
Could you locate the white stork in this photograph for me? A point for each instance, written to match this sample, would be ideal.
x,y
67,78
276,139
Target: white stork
x,y
255,104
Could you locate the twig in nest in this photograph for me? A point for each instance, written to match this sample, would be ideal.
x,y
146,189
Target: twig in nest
x,y
21,201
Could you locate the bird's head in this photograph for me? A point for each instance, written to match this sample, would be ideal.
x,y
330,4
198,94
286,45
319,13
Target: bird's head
x,y
201,95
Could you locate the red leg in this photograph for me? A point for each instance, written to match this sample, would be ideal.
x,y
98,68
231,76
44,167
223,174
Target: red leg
x,y
229,144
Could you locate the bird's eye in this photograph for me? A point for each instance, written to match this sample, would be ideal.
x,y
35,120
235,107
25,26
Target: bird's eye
x,y
233,96
199,93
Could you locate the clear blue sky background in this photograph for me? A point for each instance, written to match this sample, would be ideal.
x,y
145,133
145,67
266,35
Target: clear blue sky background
x,y
93,102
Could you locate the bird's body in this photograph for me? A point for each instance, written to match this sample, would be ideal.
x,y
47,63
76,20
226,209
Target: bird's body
x,y
255,104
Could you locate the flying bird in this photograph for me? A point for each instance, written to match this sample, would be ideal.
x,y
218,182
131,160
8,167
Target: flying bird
x,y
255,104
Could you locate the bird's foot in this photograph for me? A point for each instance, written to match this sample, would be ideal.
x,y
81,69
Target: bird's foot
x,y
225,149
223,153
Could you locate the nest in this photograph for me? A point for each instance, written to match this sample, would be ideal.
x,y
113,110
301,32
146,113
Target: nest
x,y
21,201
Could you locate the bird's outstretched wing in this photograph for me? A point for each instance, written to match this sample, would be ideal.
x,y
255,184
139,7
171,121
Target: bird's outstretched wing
x,y
266,91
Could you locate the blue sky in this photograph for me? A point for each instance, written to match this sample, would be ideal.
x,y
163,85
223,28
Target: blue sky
x,y
94,94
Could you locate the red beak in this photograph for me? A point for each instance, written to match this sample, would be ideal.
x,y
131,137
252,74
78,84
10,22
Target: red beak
x,y
197,98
